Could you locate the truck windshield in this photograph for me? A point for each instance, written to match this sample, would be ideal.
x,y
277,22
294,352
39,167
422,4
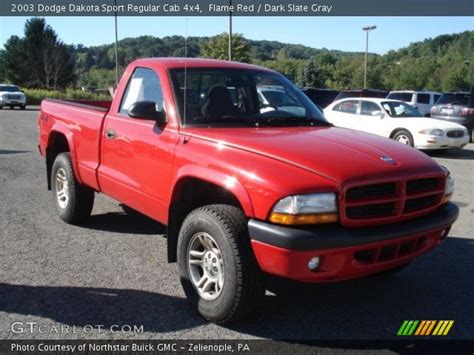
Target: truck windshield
x,y
9,88
235,97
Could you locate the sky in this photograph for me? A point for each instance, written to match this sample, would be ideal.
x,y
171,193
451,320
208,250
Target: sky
x,y
341,33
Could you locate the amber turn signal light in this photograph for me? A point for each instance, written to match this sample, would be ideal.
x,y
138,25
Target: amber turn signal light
x,y
300,219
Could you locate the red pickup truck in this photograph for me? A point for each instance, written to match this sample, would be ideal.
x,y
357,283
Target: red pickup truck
x,y
248,177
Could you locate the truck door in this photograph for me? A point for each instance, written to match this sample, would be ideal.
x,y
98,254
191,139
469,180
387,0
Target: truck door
x,y
137,154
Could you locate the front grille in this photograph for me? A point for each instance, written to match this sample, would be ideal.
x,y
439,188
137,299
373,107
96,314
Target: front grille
x,y
455,134
14,97
422,185
420,203
370,211
370,191
385,202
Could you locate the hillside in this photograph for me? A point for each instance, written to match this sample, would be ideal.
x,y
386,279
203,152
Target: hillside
x,y
435,64
440,63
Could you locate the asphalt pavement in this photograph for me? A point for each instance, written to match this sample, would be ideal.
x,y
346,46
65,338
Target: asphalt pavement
x,y
113,271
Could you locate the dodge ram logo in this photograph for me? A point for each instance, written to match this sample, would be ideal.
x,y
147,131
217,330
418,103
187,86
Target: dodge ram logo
x,y
387,159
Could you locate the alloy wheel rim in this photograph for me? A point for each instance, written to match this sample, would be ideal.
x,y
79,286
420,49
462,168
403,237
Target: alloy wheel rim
x,y
62,188
205,266
403,139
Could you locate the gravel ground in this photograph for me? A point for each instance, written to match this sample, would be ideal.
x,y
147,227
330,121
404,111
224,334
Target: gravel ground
x,y
113,271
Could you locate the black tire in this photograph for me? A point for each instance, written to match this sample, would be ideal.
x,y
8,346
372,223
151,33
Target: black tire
x,y
80,198
1,107
22,107
12,107
402,133
242,288
392,271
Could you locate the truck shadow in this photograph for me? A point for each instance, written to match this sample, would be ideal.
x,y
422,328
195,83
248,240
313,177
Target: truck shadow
x,y
436,287
126,222
9,152
81,306
453,154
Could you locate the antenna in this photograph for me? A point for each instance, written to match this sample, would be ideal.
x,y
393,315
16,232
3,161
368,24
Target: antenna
x,y
185,92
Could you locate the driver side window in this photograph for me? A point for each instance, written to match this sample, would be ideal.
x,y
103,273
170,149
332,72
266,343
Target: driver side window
x,y
144,85
369,108
350,106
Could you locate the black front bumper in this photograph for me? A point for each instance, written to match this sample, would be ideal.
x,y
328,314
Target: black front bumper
x,y
336,236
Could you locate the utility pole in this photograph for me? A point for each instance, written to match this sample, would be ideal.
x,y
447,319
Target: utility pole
x,y
367,29
116,49
230,31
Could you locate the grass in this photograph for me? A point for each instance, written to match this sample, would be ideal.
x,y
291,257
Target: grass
x,y
35,96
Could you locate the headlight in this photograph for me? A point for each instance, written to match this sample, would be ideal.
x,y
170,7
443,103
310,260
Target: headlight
x,y
432,132
449,188
305,209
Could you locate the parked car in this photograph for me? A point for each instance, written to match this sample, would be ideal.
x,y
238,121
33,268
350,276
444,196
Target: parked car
x,y
421,100
397,120
244,192
456,107
321,97
344,94
12,96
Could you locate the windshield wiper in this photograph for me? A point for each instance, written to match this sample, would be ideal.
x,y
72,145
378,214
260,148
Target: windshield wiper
x,y
224,119
294,121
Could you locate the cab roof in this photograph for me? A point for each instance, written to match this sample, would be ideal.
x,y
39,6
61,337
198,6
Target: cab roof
x,y
181,63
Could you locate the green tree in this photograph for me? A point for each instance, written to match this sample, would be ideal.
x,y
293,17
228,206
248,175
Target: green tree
x,y
309,75
217,48
39,59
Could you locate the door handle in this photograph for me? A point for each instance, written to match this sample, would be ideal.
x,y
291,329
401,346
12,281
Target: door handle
x,y
110,134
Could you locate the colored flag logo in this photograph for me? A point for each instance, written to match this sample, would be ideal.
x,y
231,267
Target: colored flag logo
x,y
425,327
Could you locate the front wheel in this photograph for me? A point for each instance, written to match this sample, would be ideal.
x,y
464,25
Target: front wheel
x,y
73,201
22,107
404,137
218,270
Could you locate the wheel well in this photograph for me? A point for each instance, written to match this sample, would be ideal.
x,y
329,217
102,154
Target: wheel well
x,y
188,195
396,130
57,144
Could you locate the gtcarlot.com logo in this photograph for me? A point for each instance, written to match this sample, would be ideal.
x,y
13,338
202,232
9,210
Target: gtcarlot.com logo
x,y
425,327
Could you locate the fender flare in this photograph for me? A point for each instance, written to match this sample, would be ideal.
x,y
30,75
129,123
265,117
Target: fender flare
x,y
66,132
228,182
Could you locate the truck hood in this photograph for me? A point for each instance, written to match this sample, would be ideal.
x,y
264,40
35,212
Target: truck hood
x,y
337,154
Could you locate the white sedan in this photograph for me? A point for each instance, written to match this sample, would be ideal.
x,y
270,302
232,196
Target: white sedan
x,y
397,120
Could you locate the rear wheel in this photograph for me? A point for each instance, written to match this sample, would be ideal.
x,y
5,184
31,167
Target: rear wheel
x,y
404,137
218,270
73,201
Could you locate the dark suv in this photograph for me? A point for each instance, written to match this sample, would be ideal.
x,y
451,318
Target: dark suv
x,y
456,107
321,97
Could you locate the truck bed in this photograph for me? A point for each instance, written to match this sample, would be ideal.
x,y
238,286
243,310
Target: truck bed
x,y
97,105
81,122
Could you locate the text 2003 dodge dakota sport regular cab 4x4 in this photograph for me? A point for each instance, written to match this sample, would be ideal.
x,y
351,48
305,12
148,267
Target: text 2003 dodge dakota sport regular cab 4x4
x,y
244,188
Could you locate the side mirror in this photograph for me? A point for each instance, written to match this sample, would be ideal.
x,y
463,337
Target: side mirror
x,y
378,114
146,110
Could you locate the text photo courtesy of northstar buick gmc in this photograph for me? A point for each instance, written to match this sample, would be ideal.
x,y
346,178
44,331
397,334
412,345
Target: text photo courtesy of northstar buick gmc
x,y
246,188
